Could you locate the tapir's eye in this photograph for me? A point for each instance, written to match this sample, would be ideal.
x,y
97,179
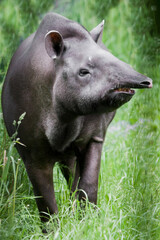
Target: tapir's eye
x,y
83,72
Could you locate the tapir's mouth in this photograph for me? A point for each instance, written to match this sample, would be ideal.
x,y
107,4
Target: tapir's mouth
x,y
125,90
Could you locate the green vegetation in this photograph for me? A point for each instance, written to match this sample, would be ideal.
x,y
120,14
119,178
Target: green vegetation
x,y
129,183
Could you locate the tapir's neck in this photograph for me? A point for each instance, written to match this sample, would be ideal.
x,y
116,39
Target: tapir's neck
x,y
62,133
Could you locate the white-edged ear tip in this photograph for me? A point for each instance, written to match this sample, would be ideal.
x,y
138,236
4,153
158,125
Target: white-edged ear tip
x,y
54,57
103,22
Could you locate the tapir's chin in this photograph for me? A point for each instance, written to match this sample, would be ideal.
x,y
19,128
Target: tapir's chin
x,y
121,97
116,99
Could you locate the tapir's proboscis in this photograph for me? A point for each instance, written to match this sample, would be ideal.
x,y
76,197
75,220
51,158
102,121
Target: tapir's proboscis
x,y
69,85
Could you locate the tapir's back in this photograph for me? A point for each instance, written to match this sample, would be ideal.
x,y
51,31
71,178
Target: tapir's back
x,y
26,65
12,91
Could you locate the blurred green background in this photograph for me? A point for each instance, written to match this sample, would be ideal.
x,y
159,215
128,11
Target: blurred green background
x,y
129,183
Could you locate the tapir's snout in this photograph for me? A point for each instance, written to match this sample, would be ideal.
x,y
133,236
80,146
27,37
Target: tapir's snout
x,y
127,86
129,80
122,76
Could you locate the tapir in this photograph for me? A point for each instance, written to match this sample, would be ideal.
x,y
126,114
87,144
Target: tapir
x,y
69,86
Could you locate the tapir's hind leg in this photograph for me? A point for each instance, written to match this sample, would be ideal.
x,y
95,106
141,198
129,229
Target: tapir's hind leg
x,y
42,181
68,167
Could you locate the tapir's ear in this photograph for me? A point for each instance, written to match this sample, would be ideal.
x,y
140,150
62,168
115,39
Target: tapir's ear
x,y
96,32
54,44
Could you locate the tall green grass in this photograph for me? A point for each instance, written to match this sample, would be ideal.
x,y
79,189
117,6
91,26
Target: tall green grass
x,y
129,182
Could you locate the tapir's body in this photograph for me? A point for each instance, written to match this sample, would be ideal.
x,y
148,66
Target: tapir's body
x,y
69,86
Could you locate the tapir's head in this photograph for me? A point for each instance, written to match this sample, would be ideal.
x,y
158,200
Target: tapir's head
x,y
89,78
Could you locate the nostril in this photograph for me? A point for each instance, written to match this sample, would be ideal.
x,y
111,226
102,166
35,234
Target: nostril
x,y
147,83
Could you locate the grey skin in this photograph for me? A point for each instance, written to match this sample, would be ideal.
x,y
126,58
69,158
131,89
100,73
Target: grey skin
x,y
69,85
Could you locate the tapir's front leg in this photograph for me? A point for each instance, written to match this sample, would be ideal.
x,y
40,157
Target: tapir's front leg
x,y
89,171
